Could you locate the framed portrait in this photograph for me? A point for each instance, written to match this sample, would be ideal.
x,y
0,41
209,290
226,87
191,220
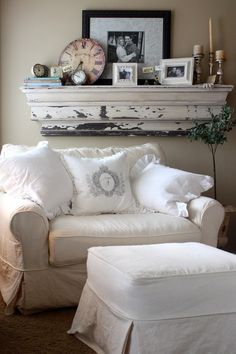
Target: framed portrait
x,y
141,37
176,71
124,74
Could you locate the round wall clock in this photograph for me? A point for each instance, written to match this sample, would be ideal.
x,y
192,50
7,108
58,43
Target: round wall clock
x,y
88,55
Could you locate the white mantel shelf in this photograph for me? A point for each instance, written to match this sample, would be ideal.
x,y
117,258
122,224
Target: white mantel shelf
x,y
112,110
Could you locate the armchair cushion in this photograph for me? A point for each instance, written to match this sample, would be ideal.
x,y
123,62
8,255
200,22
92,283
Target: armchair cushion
x,y
71,236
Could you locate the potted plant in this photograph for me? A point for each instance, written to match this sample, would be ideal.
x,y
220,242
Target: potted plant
x,y
214,133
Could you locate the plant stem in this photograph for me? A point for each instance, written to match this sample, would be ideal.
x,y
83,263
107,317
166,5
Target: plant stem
x,y
213,152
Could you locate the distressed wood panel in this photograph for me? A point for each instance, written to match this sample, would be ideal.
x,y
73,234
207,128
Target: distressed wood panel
x,y
147,128
123,112
110,110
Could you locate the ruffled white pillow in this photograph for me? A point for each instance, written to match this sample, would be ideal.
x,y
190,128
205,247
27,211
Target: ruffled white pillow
x,y
38,175
141,164
102,184
168,190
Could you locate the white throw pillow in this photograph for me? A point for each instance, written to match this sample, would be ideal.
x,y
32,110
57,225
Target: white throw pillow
x,y
9,150
168,190
102,184
38,175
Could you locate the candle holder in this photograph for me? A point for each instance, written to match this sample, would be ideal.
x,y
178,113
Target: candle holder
x,y
219,73
198,68
211,63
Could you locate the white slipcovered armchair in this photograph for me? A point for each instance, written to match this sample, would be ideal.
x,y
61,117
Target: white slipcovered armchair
x,y
43,262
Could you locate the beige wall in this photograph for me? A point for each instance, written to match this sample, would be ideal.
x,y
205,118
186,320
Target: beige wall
x,y
37,31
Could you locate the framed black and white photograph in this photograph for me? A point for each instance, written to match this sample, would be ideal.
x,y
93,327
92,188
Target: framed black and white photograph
x,y
124,74
125,47
176,71
141,37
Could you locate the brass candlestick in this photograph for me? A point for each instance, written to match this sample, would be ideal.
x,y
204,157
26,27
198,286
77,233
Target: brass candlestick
x,y
219,72
211,63
198,68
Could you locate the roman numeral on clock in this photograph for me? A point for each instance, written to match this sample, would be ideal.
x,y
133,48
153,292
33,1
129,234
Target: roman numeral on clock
x,y
95,71
75,45
98,52
98,62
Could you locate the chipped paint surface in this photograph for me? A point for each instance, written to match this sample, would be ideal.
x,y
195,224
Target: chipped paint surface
x,y
147,111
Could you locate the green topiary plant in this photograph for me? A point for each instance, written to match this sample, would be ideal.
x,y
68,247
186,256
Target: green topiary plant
x,y
214,133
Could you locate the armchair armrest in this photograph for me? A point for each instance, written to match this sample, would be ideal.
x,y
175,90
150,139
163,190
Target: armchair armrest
x,y
23,233
207,214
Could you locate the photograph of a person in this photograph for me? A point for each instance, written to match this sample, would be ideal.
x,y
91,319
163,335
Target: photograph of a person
x,y
125,47
175,71
125,73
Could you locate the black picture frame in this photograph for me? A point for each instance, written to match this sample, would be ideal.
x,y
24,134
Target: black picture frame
x,y
155,25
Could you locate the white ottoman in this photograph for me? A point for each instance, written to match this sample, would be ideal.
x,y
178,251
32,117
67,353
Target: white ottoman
x,y
166,298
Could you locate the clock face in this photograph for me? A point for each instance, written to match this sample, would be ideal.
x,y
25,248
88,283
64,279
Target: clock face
x,y
40,70
85,54
79,77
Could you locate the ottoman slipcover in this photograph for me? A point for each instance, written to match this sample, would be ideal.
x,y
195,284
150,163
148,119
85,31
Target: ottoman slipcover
x,y
165,298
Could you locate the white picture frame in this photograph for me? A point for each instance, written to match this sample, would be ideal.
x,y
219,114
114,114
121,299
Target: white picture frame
x,y
178,71
124,74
